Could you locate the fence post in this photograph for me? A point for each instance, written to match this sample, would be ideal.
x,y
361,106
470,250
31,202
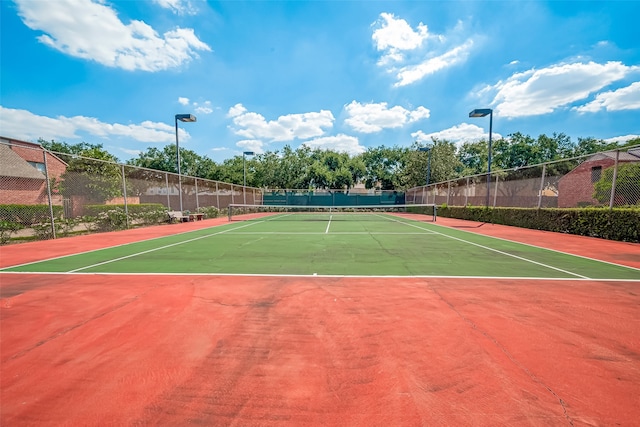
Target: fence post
x,y
166,180
46,176
613,181
495,194
466,193
197,198
448,191
544,171
124,193
217,196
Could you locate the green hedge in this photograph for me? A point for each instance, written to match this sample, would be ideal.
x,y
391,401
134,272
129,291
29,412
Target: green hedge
x,y
28,214
136,209
621,224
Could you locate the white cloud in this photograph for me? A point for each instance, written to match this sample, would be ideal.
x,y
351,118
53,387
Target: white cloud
x,y
23,124
128,152
286,128
392,36
413,73
254,145
92,30
179,7
456,134
622,139
536,92
204,108
341,143
200,108
404,51
626,98
374,117
236,110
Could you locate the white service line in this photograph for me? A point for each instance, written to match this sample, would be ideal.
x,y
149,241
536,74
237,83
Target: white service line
x,y
499,251
328,225
162,247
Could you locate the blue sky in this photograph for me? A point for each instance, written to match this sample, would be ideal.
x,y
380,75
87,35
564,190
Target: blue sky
x,y
345,75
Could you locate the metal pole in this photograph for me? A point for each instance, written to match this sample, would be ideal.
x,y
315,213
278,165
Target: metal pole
x,y
544,170
166,183
124,193
244,171
489,159
197,199
613,181
466,193
46,176
178,162
217,196
429,166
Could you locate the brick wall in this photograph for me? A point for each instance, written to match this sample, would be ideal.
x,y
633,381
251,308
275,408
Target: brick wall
x,y
576,187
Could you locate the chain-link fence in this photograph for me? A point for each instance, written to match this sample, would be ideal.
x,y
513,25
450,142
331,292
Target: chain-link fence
x,y
606,179
46,195
43,196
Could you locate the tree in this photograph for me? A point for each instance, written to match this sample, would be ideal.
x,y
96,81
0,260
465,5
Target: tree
x,y
67,152
383,167
264,169
627,185
333,170
444,164
191,163
473,157
92,173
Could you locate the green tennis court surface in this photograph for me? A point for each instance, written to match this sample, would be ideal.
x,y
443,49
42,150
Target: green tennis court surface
x,y
352,244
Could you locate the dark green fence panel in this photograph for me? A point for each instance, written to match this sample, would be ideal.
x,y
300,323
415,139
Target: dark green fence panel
x,y
332,198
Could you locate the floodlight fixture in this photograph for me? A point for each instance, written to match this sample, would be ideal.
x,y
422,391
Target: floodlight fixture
x,y
186,117
480,112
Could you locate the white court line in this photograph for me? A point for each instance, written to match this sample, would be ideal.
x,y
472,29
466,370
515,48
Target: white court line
x,y
319,233
111,247
357,276
328,225
162,247
500,252
547,249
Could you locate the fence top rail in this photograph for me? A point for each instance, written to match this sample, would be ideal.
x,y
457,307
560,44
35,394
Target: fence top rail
x,y
552,162
40,148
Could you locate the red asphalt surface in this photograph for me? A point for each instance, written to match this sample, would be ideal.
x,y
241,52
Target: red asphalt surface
x,y
317,351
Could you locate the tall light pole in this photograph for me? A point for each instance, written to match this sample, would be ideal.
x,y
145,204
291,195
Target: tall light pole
x,y
244,174
483,112
428,149
244,166
182,118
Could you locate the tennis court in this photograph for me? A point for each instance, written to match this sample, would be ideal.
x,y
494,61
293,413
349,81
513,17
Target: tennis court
x,y
333,318
334,243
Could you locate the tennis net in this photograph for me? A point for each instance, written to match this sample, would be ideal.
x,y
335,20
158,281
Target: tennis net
x,y
243,212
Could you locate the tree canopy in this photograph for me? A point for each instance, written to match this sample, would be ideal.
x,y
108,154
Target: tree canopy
x,y
382,167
